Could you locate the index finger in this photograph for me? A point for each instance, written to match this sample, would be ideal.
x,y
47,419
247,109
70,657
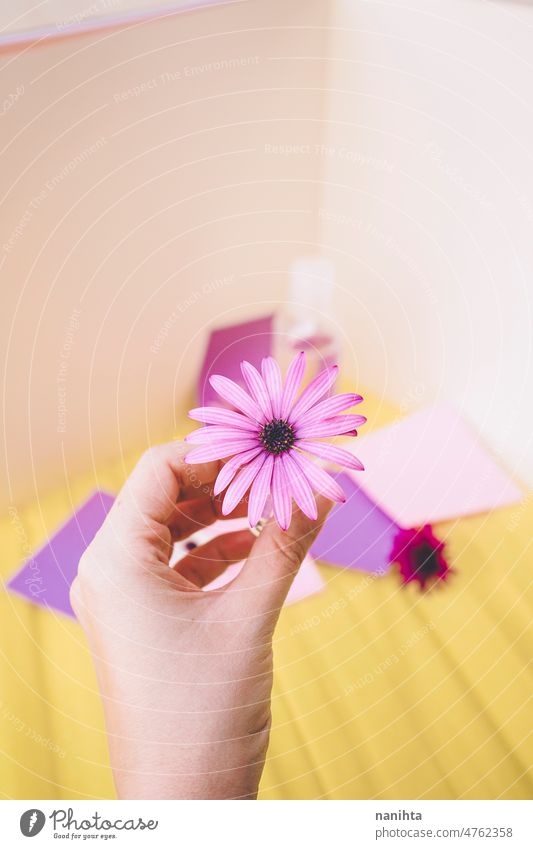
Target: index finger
x,y
160,479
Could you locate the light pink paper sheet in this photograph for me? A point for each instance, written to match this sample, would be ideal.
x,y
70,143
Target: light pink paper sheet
x,y
431,467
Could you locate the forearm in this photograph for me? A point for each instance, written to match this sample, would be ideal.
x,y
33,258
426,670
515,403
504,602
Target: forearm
x,y
186,741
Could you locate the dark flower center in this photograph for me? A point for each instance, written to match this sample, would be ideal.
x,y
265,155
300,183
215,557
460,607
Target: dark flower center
x,y
425,560
277,436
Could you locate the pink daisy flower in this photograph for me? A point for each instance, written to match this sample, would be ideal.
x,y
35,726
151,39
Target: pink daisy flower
x,y
420,556
269,434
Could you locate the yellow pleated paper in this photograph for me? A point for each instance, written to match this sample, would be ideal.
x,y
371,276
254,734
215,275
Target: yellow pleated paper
x,y
380,691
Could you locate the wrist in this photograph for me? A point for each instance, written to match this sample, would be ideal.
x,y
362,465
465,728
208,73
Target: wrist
x,y
189,776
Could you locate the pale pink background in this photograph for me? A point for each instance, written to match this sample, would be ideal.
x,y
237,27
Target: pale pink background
x,y
412,172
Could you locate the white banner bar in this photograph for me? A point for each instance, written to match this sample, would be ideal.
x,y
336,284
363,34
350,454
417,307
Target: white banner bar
x,y
269,825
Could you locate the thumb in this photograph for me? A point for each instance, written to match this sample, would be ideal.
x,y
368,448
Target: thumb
x,y
276,557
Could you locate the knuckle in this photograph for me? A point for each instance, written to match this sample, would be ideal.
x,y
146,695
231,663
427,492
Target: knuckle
x,y
82,567
74,596
150,455
181,448
290,552
86,567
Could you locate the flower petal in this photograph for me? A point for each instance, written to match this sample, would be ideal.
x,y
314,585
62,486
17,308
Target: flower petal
x,y
330,427
331,453
259,491
313,393
281,495
230,469
221,416
300,488
331,407
257,388
216,433
241,483
272,377
235,395
318,478
293,379
206,453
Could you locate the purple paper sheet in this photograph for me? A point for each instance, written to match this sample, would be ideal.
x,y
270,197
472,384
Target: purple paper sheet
x,y
46,578
227,347
356,534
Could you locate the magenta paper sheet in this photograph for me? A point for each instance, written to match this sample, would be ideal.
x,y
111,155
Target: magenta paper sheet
x,y
227,347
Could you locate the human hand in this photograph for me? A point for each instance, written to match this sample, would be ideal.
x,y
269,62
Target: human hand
x,y
185,675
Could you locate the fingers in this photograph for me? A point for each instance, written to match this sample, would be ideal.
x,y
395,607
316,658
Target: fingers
x,y
275,559
165,489
208,561
158,481
191,516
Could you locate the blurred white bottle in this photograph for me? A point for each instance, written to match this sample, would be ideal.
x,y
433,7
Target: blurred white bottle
x,y
305,322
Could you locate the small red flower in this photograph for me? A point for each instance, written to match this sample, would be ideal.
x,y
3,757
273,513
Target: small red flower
x,y
420,556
